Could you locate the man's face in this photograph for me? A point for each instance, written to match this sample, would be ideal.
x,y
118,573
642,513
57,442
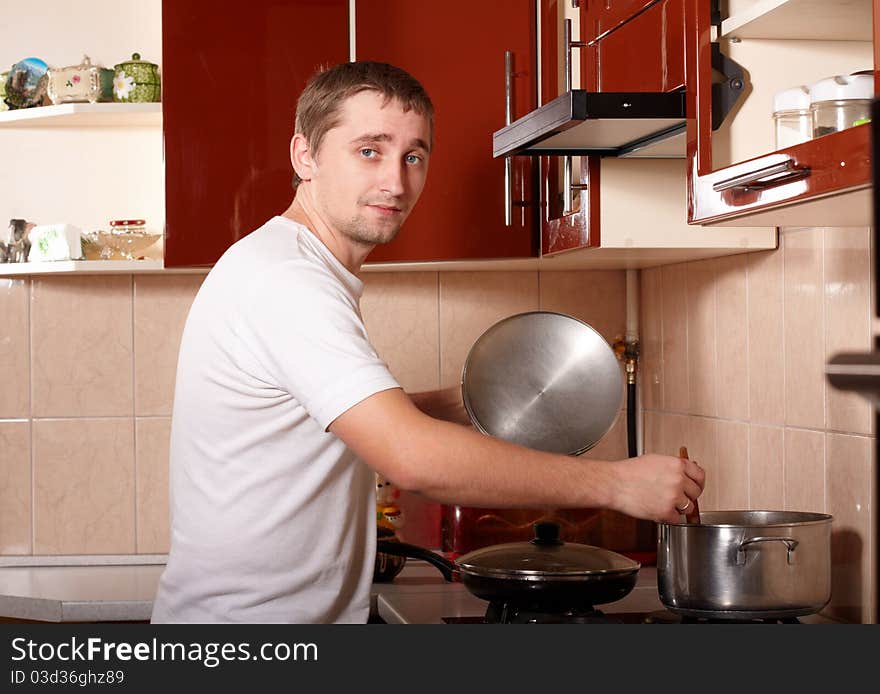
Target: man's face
x,y
371,168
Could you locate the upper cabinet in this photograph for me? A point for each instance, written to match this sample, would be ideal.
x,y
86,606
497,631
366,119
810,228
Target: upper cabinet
x,y
630,206
477,61
232,74
738,173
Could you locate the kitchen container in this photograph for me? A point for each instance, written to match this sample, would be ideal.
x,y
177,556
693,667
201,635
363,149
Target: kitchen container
x,y
80,83
792,120
841,102
136,80
746,564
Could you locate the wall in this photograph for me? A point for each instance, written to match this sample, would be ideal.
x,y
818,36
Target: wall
x,y
733,367
87,366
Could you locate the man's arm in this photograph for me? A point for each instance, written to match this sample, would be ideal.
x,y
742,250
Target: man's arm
x,y
445,404
455,464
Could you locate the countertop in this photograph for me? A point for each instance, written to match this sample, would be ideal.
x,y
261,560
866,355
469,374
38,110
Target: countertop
x,y
124,593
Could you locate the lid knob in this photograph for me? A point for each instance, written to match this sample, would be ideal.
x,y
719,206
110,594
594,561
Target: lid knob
x,y
135,56
547,533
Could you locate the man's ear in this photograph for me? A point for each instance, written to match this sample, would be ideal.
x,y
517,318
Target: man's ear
x,y
301,157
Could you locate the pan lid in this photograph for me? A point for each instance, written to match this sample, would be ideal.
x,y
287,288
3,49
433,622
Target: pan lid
x,y
543,380
545,557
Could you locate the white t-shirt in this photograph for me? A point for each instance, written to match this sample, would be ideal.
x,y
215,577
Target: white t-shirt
x,y
273,517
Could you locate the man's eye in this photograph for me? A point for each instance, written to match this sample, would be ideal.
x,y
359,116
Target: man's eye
x,y
413,158
368,153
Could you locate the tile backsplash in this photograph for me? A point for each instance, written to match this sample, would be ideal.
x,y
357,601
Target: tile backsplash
x,y
734,351
88,368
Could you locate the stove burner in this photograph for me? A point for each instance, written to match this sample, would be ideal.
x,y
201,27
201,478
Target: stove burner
x,y
511,613
667,617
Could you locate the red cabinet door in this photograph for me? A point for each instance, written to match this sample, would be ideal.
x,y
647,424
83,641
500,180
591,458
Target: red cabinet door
x,y
812,170
231,75
645,54
456,49
601,16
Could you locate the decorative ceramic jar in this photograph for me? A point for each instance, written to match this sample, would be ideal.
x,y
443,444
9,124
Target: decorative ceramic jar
x,y
3,105
136,80
83,82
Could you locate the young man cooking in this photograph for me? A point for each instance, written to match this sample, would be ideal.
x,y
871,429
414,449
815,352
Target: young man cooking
x,y
283,412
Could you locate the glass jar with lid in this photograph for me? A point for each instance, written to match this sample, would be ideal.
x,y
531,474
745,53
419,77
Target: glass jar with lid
x,y
792,119
841,102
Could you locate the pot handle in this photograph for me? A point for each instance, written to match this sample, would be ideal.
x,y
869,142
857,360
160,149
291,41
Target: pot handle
x,y
402,549
789,542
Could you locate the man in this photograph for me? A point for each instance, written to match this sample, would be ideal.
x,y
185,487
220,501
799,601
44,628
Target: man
x,y
283,412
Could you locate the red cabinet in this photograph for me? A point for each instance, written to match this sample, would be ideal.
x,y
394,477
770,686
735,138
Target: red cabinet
x,y
457,51
821,182
630,46
231,76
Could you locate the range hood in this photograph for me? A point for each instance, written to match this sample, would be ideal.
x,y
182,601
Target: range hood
x,y
606,124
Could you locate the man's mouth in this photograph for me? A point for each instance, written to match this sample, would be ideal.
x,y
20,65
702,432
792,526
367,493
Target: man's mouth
x,y
385,209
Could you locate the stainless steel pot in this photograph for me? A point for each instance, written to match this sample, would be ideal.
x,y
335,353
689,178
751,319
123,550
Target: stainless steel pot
x,y
746,564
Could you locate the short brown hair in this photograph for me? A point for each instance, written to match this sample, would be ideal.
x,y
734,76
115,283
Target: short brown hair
x,y
317,109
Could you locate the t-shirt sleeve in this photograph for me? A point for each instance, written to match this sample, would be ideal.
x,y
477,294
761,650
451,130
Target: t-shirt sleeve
x,y
307,333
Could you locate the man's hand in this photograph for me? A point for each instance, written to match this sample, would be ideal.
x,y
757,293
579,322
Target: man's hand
x,y
657,486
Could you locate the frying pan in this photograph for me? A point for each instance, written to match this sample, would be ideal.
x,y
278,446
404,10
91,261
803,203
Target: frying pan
x,y
544,573
543,380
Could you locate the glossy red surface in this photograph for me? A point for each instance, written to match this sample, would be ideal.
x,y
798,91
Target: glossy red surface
x,y
457,52
601,16
646,53
231,76
837,162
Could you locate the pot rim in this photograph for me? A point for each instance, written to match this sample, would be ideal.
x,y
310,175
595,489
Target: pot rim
x,y
537,575
808,518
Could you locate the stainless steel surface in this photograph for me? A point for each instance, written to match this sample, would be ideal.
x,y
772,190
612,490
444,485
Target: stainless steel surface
x,y
508,118
766,177
746,564
543,380
566,186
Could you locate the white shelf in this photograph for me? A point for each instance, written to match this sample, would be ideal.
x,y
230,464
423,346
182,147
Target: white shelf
x,y
84,115
86,267
822,20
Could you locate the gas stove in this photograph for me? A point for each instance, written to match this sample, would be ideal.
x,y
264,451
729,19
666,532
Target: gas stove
x,y
502,613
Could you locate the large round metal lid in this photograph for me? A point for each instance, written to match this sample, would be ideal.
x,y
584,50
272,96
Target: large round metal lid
x,y
543,380
545,557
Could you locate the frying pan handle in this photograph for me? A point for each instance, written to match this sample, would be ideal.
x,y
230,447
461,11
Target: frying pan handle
x,y
789,542
402,549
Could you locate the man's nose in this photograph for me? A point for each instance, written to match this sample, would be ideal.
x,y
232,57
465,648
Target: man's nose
x,y
393,179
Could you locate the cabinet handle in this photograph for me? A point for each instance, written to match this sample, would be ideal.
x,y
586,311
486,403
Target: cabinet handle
x,y
567,186
767,177
508,118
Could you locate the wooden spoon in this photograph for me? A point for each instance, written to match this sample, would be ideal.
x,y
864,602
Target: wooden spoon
x,y
693,511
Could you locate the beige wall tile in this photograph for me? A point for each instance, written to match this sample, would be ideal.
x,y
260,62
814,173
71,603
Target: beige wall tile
x,y
84,486
676,369
401,313
766,298
152,438
804,329
701,310
670,433
848,480
847,319
651,431
81,346
702,445
650,326
15,487
732,325
612,446
15,398
766,468
595,297
733,465
161,305
804,470
472,302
